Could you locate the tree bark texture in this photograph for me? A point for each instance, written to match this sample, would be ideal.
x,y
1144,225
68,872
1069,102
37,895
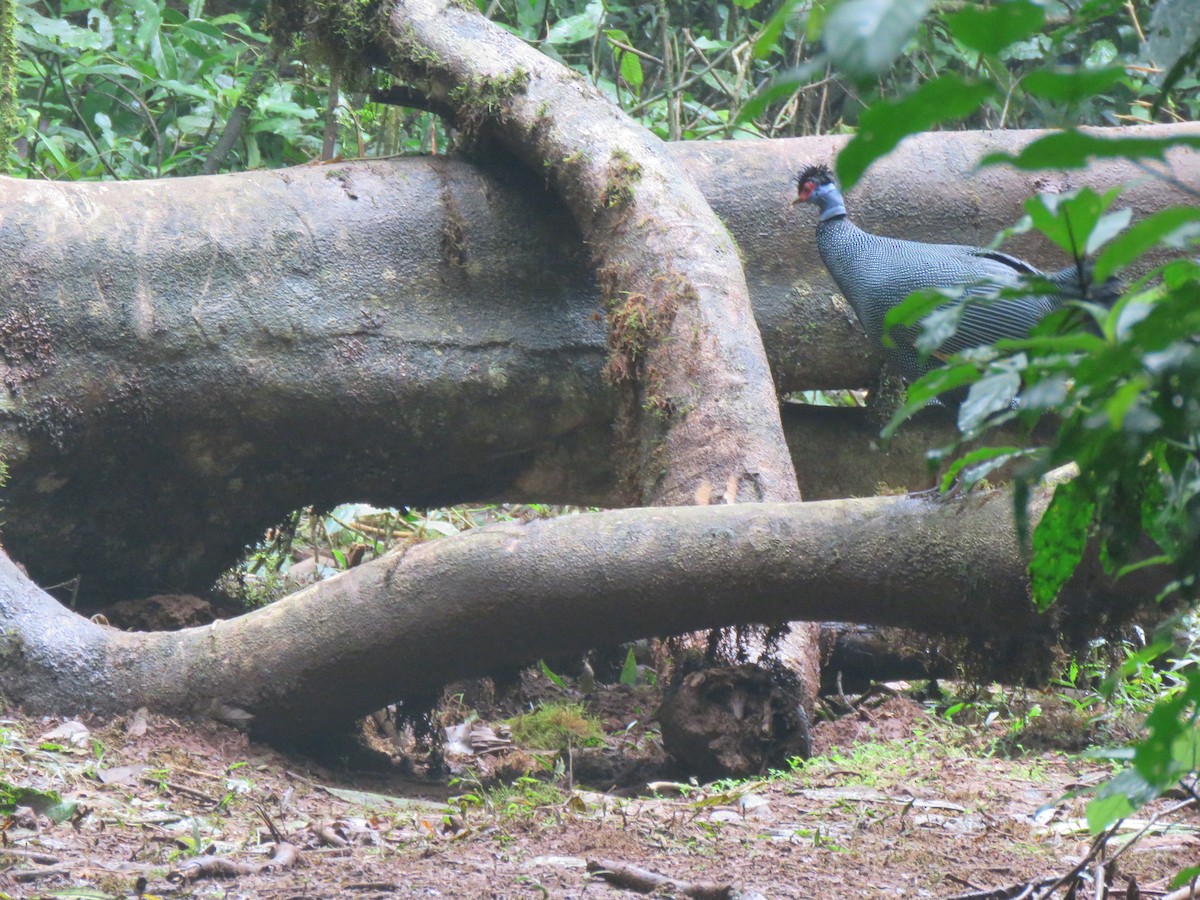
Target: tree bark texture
x,y
405,625
187,360
698,419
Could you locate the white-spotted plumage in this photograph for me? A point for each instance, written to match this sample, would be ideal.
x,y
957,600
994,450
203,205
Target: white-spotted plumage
x,y
876,273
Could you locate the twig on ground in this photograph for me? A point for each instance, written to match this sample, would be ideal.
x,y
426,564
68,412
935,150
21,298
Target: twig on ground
x,y
1187,892
1012,892
327,834
646,882
74,870
276,835
1097,846
36,856
282,857
1150,823
35,874
1101,842
182,789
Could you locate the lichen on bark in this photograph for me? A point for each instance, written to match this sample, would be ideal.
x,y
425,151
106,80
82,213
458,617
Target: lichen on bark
x,y
10,117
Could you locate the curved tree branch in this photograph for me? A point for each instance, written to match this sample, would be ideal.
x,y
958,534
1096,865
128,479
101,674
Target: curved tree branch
x,y
406,624
701,423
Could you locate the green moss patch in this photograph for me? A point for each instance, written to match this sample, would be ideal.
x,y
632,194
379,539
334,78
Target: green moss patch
x,y
557,726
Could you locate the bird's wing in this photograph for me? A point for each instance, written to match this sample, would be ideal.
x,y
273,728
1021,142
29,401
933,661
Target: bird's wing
x,y
1009,262
992,320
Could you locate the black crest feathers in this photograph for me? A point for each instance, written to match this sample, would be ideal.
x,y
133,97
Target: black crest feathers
x,y
819,173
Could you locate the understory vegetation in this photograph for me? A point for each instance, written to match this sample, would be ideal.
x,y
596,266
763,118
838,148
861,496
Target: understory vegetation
x,y
150,88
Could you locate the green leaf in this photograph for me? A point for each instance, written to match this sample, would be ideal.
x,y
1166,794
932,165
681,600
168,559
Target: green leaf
x,y
50,145
530,12
1070,219
990,394
1035,48
630,65
783,85
149,18
45,803
1048,392
1053,342
1168,750
104,27
1074,150
929,386
1071,85
203,29
1103,53
580,27
629,671
1107,227
863,37
1184,876
1159,560
884,124
163,56
938,327
1142,236
768,40
984,460
912,309
990,30
554,679
1102,812
59,30
1124,399
1059,541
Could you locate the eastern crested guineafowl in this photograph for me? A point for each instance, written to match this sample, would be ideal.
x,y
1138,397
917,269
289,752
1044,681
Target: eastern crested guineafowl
x,y
876,273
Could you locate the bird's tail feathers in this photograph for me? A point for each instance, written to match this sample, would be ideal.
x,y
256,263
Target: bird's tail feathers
x,y
1076,283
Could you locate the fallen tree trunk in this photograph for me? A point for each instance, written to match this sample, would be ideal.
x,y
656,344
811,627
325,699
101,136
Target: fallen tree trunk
x,y
406,624
188,360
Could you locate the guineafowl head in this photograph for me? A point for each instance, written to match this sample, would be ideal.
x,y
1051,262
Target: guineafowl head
x,y
815,184
810,179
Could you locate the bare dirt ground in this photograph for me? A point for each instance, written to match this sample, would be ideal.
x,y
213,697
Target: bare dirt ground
x,y
898,804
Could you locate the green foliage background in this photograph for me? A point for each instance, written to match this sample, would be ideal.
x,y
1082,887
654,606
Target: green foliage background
x,y
145,88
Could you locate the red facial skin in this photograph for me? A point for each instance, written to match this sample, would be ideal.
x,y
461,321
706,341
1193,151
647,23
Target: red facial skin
x,y
805,190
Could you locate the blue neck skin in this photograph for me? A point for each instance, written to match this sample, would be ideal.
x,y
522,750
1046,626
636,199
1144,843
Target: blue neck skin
x,y
829,200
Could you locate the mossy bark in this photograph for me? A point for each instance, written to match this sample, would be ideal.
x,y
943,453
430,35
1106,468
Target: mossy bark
x,y
698,421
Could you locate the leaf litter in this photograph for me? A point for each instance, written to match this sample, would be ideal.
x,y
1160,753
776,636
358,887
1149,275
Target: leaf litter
x,y
898,806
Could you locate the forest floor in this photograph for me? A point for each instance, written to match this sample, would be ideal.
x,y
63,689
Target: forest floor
x,y
897,803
